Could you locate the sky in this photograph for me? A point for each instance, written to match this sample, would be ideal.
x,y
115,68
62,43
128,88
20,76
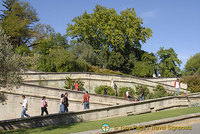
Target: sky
x,y
175,23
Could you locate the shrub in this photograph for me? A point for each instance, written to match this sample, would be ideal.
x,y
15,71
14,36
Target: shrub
x,y
159,91
100,90
80,85
148,94
122,91
70,82
193,82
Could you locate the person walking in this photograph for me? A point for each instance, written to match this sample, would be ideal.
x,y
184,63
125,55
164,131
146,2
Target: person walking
x,y
65,103
115,87
73,87
76,86
61,104
128,94
106,90
24,107
142,94
86,98
177,86
44,106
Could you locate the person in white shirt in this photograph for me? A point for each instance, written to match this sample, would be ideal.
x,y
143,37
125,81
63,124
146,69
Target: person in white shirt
x,y
177,86
128,94
61,104
24,107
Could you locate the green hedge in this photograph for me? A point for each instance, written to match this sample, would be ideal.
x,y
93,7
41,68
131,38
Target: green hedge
x,y
122,91
148,94
100,90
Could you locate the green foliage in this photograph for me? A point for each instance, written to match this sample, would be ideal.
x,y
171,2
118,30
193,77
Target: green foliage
x,y
3,98
159,91
18,20
122,91
96,69
84,51
143,69
169,62
80,85
42,31
69,83
22,50
193,82
10,65
193,65
116,60
148,94
100,90
115,38
61,60
49,43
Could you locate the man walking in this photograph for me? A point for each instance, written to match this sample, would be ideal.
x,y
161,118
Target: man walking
x,y
86,98
65,102
177,86
24,107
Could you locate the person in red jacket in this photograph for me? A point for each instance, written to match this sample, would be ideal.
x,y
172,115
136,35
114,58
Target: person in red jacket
x,y
177,86
76,86
86,98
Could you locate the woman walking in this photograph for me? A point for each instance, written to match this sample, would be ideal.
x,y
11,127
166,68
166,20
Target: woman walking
x,y
61,104
44,106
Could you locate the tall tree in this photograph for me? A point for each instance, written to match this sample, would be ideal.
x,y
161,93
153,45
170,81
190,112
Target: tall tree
x,y
10,64
18,21
168,62
46,44
146,67
111,34
193,65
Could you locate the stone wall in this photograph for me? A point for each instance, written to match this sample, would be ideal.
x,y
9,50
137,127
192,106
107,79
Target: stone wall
x,y
34,94
166,81
93,80
131,108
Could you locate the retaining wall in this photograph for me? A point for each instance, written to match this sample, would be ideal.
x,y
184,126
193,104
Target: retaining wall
x,y
34,94
131,108
92,80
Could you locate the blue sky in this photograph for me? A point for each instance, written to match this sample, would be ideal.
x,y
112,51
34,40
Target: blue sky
x,y
175,23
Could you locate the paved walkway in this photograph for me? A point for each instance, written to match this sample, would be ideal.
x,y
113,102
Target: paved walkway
x,y
193,123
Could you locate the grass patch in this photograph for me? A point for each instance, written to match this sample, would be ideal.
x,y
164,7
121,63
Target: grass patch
x,y
118,121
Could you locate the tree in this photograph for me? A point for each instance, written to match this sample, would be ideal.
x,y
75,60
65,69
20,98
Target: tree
x,y
59,59
146,67
84,51
10,64
193,82
193,65
18,21
50,42
111,34
168,62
